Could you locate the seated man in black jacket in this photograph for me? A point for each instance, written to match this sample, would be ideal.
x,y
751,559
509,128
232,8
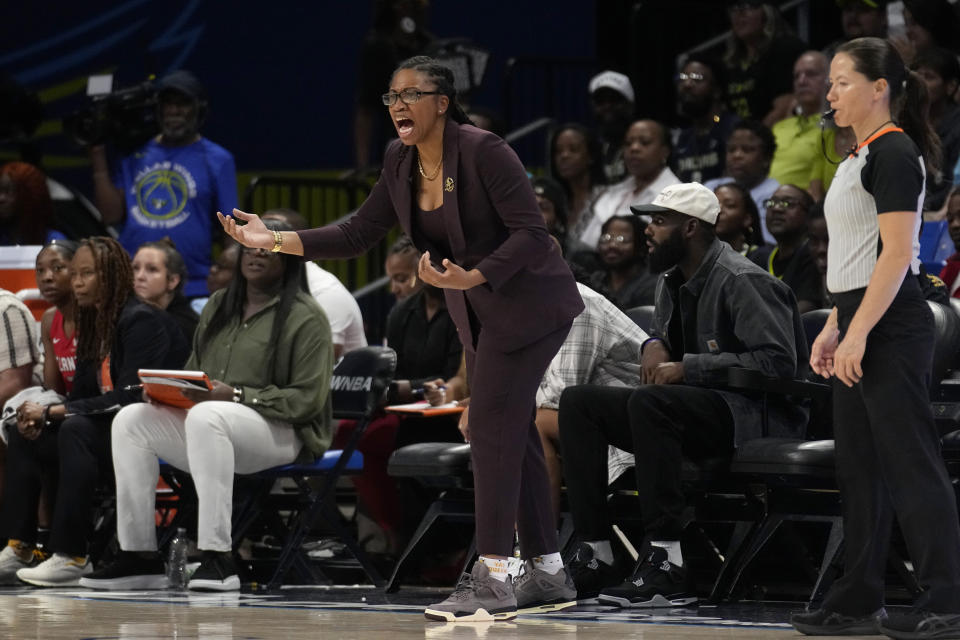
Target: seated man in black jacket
x,y
714,310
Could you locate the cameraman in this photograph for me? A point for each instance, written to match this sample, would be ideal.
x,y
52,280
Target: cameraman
x,y
173,185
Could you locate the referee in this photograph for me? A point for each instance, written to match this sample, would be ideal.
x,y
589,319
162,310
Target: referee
x,y
878,345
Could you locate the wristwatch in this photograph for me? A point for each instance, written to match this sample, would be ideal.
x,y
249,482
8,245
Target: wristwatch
x,y
238,394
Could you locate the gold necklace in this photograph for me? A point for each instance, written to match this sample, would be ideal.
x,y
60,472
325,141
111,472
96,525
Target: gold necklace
x,y
436,171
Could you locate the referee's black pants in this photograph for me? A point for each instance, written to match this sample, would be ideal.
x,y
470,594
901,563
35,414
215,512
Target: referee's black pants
x,y
889,463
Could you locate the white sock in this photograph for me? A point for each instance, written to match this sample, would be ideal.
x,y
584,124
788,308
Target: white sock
x,y
497,566
602,551
672,548
551,563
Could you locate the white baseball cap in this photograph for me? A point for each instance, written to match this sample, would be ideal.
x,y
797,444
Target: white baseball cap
x,y
612,80
690,198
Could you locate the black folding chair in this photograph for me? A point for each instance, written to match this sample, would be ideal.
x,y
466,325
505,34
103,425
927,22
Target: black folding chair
x,y
356,389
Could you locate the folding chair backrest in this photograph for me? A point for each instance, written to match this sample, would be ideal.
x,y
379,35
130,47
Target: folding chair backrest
x,y
360,380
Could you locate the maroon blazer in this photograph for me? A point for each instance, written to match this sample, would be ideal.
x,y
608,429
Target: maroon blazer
x,y
493,224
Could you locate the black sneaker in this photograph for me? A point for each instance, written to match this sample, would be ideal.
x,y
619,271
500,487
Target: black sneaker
x,y
656,582
129,571
920,624
822,622
591,575
217,572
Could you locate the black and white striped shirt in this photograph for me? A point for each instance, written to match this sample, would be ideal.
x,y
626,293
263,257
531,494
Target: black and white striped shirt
x,y
886,174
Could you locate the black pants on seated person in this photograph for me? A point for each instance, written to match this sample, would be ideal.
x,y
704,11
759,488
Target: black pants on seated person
x,y
80,447
660,425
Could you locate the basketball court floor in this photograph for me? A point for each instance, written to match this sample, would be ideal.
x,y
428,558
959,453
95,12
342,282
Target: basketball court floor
x,y
349,613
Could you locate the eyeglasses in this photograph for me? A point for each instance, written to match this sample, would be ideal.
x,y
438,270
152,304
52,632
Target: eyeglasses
x,y
408,96
621,240
692,77
780,203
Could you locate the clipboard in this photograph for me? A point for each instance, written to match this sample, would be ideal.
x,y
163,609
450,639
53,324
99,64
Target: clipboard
x,y
424,408
165,385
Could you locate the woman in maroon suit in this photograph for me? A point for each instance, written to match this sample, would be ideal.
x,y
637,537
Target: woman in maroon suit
x,y
464,198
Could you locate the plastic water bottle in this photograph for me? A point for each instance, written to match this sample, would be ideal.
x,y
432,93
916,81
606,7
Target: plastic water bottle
x,y
177,560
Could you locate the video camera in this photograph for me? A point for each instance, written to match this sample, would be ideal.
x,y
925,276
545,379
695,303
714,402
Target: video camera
x,y
125,118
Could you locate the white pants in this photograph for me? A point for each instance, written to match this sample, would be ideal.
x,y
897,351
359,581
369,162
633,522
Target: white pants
x,y
213,440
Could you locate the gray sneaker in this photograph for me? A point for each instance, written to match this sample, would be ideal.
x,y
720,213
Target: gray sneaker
x,y
538,590
478,598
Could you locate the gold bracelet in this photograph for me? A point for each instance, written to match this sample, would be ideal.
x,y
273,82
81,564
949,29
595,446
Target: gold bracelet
x,y
277,241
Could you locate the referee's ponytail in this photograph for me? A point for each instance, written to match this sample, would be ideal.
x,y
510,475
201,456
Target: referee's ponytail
x,y
877,58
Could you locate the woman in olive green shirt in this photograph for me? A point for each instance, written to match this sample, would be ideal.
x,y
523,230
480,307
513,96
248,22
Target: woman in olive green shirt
x,y
266,346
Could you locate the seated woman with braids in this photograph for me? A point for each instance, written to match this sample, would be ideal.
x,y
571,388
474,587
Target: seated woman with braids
x,y
266,346
116,336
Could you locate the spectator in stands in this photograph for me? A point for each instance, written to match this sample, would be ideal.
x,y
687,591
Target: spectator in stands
x,y
941,73
159,274
341,308
818,241
790,259
750,151
173,185
116,336
733,314
399,30
221,272
646,155
470,207
553,206
401,268
624,277
265,345
576,163
58,326
738,223
860,19
612,100
760,53
26,210
602,348
700,148
951,270
486,119
930,24
878,344
799,158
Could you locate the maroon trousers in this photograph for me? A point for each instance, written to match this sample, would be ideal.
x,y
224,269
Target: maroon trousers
x,y
509,474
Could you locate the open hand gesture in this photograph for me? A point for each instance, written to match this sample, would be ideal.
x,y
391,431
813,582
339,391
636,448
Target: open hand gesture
x,y
253,234
453,276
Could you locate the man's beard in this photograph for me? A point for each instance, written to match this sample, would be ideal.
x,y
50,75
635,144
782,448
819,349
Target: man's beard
x,y
668,253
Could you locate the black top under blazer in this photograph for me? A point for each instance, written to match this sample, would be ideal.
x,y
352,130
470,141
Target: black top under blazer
x,y
493,224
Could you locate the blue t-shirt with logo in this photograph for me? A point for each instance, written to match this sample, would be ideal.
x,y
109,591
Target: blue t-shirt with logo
x,y
176,192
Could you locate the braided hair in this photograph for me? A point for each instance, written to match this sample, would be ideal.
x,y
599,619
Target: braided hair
x,y
294,280
441,76
97,324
